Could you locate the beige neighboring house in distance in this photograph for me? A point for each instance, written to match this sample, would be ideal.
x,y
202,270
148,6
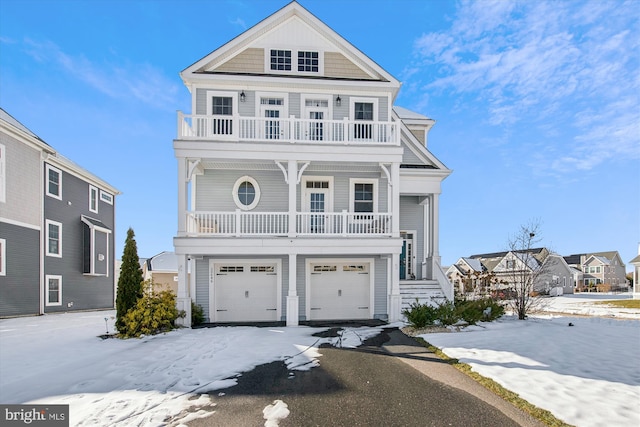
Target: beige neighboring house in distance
x,y
163,270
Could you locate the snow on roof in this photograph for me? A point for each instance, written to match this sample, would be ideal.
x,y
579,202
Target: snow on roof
x,y
164,261
408,114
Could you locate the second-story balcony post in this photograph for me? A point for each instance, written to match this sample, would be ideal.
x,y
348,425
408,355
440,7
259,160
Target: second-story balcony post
x,y
238,223
343,222
292,180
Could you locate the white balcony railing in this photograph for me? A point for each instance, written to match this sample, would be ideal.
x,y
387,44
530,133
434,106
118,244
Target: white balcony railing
x,y
293,130
240,223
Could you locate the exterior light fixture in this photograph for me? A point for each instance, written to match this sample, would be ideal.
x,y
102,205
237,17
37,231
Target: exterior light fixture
x,y
243,97
338,101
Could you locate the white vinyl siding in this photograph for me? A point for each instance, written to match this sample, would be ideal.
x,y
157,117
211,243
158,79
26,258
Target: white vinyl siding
x,y
54,238
53,182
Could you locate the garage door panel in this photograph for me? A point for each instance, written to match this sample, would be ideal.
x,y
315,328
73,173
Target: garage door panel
x,y
245,293
340,291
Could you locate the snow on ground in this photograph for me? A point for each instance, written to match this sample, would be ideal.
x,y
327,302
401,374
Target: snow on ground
x,y
155,380
587,374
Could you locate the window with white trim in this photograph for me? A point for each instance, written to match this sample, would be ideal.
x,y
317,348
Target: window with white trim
x,y
3,174
246,193
363,195
280,60
93,199
364,110
106,197
54,290
54,182
54,238
308,61
3,257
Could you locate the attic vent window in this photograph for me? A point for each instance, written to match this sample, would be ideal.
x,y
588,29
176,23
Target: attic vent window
x,y
280,60
308,61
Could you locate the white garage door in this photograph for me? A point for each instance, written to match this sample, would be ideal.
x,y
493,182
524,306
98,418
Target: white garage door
x,y
245,292
340,291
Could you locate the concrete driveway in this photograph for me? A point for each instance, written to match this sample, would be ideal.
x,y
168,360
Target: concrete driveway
x,y
391,380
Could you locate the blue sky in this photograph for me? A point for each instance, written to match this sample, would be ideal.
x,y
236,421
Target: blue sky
x,y
537,104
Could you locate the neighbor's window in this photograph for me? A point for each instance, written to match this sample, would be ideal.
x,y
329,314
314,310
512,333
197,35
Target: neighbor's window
x,y
246,193
93,199
308,61
54,182
106,197
280,60
3,257
54,238
3,174
54,290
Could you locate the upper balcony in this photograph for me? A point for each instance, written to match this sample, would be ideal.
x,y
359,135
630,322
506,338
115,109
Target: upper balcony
x,y
292,130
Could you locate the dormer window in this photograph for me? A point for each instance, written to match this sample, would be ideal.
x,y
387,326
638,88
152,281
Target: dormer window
x,y
280,60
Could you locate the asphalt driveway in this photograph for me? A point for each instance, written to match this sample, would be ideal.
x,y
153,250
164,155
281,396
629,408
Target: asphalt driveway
x,y
391,380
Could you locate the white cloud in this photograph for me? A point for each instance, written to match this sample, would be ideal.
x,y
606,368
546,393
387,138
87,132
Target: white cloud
x,y
124,80
569,68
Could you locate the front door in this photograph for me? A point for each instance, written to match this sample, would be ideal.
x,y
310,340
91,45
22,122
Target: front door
x,y
403,261
317,110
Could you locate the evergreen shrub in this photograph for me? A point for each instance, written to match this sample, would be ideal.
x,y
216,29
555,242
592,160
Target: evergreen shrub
x,y
154,313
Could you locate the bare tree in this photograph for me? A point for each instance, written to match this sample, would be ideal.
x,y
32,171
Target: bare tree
x,y
522,268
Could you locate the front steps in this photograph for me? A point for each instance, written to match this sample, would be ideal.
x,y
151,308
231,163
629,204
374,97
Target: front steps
x,y
425,291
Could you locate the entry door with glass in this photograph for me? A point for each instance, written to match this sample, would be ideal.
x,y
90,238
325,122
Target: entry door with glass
x,y
317,203
317,111
272,109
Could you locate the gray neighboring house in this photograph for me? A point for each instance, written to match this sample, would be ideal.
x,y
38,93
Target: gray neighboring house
x,y
556,276
57,224
303,192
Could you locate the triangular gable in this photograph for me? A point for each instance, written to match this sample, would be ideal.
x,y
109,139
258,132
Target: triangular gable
x,y
410,142
290,26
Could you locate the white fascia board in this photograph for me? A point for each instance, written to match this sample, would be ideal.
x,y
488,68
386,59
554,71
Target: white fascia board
x,y
282,152
422,184
285,245
79,172
25,138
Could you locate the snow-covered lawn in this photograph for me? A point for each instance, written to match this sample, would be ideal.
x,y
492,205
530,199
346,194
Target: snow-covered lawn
x,y
150,381
587,374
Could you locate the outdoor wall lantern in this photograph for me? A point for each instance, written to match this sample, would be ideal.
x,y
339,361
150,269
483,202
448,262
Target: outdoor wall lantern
x,y
338,101
243,97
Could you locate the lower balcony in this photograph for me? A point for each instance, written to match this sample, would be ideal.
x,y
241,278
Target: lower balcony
x,y
322,224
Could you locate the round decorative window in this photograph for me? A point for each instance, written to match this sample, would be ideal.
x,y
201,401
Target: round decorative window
x,y
246,193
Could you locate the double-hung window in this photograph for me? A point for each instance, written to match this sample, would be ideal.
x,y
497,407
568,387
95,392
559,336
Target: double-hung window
x,y
54,290
363,198
54,182
54,238
222,110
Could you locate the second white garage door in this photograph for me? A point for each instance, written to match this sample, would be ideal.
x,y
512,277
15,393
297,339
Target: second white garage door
x,y
339,290
245,292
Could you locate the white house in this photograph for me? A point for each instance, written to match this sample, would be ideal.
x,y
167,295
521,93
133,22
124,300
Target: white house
x,y
303,194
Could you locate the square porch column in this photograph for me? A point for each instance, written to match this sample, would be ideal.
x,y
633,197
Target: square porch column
x,y
183,302
292,295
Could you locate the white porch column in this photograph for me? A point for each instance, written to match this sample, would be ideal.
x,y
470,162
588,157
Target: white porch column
x,y
292,178
292,296
182,196
395,299
435,215
183,302
395,204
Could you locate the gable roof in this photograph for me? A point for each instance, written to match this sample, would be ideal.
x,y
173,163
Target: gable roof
x,y
271,31
475,264
413,144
